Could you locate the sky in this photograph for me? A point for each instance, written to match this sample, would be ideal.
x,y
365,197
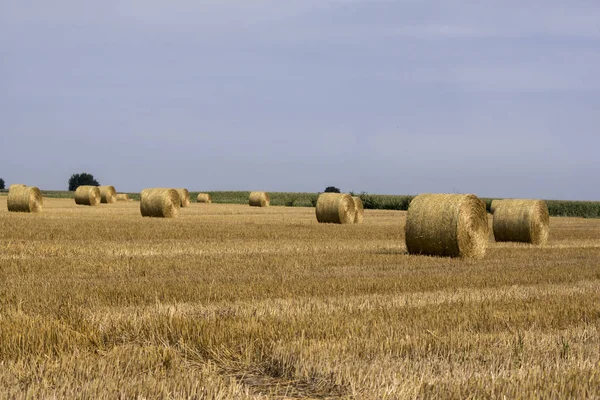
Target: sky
x,y
496,98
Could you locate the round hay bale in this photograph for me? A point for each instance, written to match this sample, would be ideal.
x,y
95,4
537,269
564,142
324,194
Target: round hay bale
x,y
184,197
159,202
87,195
108,194
518,220
451,225
359,215
336,208
493,205
16,185
23,198
122,197
204,198
259,199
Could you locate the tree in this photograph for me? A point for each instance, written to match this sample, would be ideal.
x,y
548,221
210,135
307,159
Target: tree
x,y
332,189
77,180
2,183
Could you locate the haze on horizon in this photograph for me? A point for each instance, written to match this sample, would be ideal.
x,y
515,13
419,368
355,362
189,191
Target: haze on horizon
x,y
500,99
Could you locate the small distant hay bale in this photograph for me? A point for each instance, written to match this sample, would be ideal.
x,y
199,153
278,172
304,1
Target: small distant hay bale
x,y
184,197
493,205
160,203
335,208
108,194
259,199
122,197
519,220
23,198
204,198
450,225
359,215
87,195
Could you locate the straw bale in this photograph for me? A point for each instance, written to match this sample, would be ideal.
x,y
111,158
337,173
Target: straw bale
x,y
184,197
23,198
493,205
520,220
451,225
87,195
336,208
159,202
122,197
259,199
204,198
360,210
108,194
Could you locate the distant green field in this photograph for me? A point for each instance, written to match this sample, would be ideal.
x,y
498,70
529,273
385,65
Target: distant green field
x,y
557,208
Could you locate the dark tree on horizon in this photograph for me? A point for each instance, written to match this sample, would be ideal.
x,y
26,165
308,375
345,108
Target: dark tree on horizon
x,y
82,179
332,189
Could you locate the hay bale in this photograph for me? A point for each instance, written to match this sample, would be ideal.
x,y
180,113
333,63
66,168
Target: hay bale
x,y
518,220
87,195
184,197
259,199
451,225
14,185
159,202
204,198
108,194
359,214
336,208
23,198
122,197
493,205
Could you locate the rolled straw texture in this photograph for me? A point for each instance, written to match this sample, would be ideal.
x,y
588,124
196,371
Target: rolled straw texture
x,y
23,198
108,194
450,225
122,197
493,205
335,208
359,214
159,202
87,195
184,197
520,220
259,199
204,198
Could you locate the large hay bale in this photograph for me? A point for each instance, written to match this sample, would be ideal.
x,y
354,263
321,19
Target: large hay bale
x,y
519,220
159,202
184,197
336,208
259,199
108,194
493,205
451,225
87,195
122,197
204,198
359,213
23,198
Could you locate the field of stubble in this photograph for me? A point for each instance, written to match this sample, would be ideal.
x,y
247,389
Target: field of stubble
x,y
234,302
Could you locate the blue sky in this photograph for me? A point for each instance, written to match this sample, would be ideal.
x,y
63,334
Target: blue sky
x,y
496,98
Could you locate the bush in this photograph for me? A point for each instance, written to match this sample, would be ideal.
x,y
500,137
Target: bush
x,y
82,179
2,184
332,189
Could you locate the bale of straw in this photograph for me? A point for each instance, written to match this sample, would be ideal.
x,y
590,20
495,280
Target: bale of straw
x,y
359,210
204,198
108,194
122,197
15,185
493,205
335,208
159,202
519,220
184,197
451,225
259,199
23,198
87,195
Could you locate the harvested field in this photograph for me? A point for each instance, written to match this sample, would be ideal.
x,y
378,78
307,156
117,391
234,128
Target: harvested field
x,y
235,302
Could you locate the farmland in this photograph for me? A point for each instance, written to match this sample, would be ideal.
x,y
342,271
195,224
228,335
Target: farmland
x,y
229,301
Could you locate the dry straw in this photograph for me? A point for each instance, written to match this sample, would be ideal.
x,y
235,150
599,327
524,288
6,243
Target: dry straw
x,y
158,202
360,210
259,199
336,208
122,197
452,225
184,197
204,198
108,194
493,205
23,198
517,220
87,195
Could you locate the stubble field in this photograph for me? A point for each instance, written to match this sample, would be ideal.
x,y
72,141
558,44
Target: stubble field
x,y
234,302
